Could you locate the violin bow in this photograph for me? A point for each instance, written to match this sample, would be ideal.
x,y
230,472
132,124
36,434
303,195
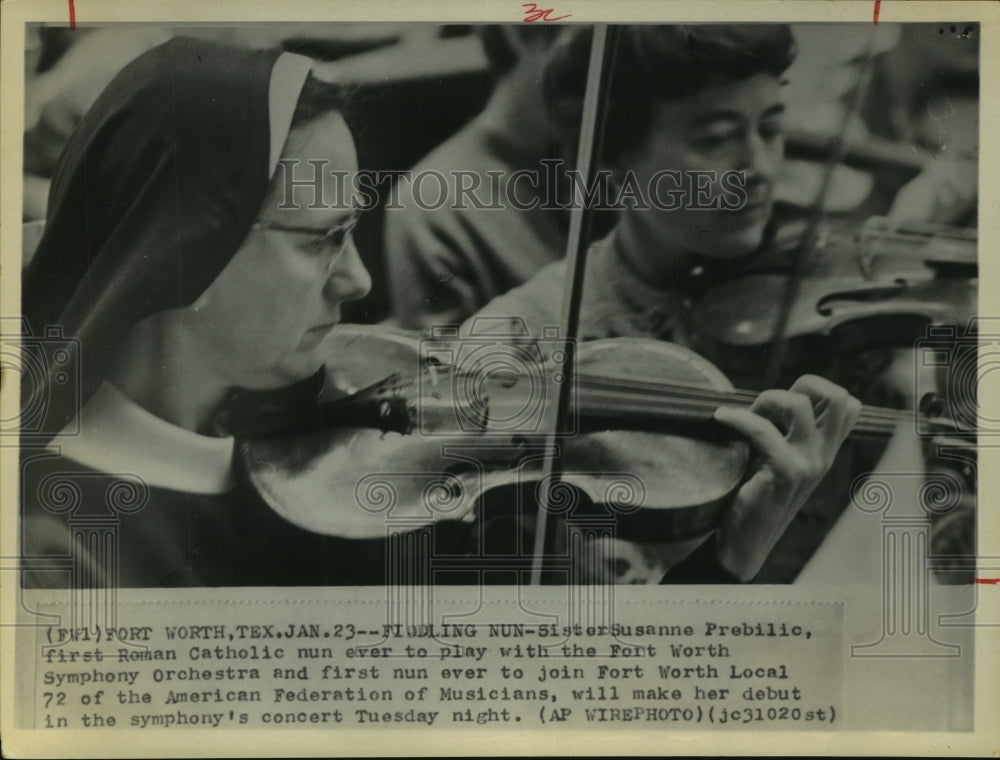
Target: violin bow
x,y
810,236
602,54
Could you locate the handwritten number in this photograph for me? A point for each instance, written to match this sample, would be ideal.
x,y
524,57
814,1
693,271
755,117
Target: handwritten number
x,y
533,13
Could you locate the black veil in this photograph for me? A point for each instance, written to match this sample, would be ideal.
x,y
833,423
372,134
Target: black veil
x,y
152,197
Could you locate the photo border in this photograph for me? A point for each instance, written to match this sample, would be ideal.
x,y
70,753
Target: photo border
x,y
18,742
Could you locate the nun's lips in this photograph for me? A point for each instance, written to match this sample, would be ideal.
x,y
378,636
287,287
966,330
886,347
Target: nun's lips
x,y
324,328
318,333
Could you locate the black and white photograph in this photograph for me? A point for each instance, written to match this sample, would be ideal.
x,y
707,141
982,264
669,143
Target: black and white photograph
x,y
547,379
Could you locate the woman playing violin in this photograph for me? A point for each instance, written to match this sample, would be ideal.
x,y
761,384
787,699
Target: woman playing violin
x,y
694,101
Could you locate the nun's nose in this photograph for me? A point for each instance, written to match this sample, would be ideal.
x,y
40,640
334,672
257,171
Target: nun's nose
x,y
349,279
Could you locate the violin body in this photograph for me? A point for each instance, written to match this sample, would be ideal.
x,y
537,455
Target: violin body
x,y
875,286
362,482
877,248
734,325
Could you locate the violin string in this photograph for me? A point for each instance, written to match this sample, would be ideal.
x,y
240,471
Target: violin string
x,y
681,391
705,411
694,415
665,392
889,415
613,400
681,400
610,404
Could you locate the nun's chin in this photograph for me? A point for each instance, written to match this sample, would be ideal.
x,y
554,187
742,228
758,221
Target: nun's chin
x,y
292,369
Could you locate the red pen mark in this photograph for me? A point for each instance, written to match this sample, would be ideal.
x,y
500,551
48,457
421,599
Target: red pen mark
x,y
989,581
533,13
72,15
878,5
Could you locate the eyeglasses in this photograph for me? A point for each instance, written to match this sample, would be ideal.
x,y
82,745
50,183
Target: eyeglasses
x,y
332,239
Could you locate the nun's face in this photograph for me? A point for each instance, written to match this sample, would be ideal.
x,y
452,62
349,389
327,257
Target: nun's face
x,y
263,319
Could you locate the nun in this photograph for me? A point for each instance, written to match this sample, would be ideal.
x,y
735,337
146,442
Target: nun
x,y
177,264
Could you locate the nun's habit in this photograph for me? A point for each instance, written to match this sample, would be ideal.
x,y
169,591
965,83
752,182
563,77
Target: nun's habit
x,y
153,196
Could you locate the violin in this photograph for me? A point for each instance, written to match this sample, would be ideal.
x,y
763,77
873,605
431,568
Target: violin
x,y
407,441
879,285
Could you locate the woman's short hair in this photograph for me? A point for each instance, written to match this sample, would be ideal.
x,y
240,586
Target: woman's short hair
x,y
656,63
